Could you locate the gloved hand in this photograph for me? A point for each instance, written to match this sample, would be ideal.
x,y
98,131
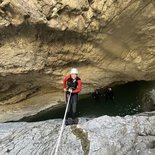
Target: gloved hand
x,y
70,90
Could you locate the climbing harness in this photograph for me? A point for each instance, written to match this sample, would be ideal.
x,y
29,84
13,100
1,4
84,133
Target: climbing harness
x,y
56,147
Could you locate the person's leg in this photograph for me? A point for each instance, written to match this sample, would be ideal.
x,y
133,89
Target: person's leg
x,y
74,105
67,115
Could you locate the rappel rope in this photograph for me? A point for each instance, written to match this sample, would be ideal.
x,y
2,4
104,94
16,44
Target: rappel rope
x,y
56,147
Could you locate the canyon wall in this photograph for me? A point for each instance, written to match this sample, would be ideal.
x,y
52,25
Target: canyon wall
x,y
109,41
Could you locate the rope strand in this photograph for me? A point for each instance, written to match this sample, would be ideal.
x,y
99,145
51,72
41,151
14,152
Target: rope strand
x,y
56,147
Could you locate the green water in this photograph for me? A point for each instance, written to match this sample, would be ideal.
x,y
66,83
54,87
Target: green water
x,y
129,99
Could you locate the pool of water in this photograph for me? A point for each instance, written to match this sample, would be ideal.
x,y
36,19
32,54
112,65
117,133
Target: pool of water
x,y
129,99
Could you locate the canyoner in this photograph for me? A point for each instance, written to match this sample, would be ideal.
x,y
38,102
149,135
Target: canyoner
x,y
72,86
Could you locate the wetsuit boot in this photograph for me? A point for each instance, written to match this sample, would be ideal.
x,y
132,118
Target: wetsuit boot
x,y
73,118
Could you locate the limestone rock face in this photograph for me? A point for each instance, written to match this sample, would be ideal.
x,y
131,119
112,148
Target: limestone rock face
x,y
109,41
130,135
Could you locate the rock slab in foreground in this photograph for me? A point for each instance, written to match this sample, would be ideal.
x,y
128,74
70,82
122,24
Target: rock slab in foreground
x,y
105,135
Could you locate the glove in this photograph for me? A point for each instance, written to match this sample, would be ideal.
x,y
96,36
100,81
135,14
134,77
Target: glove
x,y
70,90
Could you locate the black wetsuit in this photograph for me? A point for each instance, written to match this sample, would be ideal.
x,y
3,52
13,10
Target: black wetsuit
x,y
96,95
109,95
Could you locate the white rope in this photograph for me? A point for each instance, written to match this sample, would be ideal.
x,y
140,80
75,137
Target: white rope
x,y
56,147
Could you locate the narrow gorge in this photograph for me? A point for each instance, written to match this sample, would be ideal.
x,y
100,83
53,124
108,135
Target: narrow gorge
x,y
111,42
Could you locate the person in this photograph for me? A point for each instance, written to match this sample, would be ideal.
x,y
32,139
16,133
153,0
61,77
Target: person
x,y
109,95
72,84
96,94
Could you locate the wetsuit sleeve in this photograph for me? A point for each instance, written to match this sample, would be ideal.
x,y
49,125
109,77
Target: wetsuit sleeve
x,y
65,80
79,87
